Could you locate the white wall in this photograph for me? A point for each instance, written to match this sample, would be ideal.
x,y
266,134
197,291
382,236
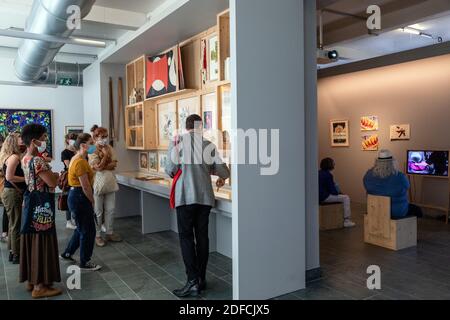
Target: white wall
x,y
269,240
66,103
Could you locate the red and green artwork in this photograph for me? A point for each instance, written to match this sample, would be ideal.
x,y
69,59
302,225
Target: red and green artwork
x,y
13,120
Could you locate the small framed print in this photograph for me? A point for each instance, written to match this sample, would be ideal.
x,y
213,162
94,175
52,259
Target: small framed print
x,y
143,161
369,123
370,142
400,132
187,107
74,129
339,131
213,52
162,161
153,161
166,123
210,117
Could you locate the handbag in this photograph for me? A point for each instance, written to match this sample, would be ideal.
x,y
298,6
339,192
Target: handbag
x,y
63,202
175,178
38,215
105,182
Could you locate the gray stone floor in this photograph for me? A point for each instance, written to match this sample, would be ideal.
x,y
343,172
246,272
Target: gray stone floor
x,y
421,273
150,267
139,268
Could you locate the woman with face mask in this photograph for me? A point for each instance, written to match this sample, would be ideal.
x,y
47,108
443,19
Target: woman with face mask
x,y
104,162
66,155
39,262
81,204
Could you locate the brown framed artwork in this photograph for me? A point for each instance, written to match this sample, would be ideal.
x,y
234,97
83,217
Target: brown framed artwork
x,y
143,161
339,133
153,161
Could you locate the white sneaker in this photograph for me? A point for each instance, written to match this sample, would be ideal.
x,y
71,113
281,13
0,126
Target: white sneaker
x,y
349,224
70,225
103,228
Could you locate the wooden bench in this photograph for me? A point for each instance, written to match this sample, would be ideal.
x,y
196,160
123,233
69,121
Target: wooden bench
x,y
381,230
331,216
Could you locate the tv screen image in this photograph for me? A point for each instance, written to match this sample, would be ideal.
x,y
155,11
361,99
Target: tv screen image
x,y
428,163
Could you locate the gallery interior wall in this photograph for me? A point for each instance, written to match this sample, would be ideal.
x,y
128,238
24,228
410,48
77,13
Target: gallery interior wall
x,y
415,93
66,103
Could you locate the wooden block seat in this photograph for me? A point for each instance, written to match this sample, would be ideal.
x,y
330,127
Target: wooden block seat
x,y
381,230
331,216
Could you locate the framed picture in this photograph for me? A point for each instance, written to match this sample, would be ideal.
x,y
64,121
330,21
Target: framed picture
x,y
162,161
370,142
161,74
339,131
74,129
369,123
213,54
400,132
153,161
13,120
225,113
187,107
166,123
210,117
143,161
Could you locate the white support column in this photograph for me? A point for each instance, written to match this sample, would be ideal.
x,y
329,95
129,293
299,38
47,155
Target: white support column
x,y
268,56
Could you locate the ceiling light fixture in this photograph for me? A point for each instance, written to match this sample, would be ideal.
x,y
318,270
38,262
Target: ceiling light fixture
x,y
417,32
95,43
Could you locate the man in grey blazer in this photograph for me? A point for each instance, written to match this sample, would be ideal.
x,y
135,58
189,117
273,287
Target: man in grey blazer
x,y
198,159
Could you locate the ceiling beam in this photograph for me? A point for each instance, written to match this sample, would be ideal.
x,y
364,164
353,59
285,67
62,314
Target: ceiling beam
x,y
322,4
116,18
394,14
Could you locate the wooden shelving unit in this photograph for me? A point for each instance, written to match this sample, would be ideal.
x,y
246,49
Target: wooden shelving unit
x,y
142,117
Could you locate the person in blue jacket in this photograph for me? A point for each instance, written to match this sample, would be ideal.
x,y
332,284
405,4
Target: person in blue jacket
x,y
329,191
385,179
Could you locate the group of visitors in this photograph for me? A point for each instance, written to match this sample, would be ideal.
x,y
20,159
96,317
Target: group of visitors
x,y
384,179
29,184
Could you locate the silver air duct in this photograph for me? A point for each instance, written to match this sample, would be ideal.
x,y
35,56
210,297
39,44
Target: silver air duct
x,y
34,61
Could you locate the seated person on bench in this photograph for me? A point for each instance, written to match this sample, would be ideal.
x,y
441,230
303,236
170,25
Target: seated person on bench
x,y
384,179
328,190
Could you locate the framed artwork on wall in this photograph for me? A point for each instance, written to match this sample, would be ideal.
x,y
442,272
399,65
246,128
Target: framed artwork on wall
x,y
161,74
143,161
210,117
339,131
162,161
187,107
74,129
13,120
400,132
166,123
153,161
225,108
370,142
369,123
213,53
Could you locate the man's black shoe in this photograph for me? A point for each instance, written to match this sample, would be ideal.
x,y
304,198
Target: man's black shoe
x,y
202,284
190,289
11,256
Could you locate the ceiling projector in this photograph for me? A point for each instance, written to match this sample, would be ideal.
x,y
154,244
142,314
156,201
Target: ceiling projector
x,y
327,56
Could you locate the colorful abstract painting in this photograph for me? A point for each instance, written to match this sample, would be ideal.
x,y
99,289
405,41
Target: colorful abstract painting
x,y
369,123
161,74
13,120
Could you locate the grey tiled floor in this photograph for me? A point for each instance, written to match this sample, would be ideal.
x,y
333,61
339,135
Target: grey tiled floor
x,y
139,268
150,267
411,274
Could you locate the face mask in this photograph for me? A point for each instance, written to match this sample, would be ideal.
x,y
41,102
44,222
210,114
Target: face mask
x,y
71,143
103,142
92,148
42,147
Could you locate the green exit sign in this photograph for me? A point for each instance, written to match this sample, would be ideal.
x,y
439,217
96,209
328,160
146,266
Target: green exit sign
x,y
65,81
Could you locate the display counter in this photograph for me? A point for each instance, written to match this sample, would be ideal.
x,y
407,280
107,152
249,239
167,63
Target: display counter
x,y
150,200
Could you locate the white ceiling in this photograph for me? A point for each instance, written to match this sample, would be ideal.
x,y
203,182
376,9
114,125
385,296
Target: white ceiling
x,y
142,6
392,42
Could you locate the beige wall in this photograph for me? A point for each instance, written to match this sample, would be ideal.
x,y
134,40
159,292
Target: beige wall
x,y
416,92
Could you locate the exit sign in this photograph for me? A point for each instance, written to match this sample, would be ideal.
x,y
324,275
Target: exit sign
x,y
65,82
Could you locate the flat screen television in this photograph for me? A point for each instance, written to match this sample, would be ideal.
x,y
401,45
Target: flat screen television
x,y
428,163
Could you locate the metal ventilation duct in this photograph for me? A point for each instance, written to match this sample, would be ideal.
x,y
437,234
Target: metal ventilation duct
x,y
34,61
